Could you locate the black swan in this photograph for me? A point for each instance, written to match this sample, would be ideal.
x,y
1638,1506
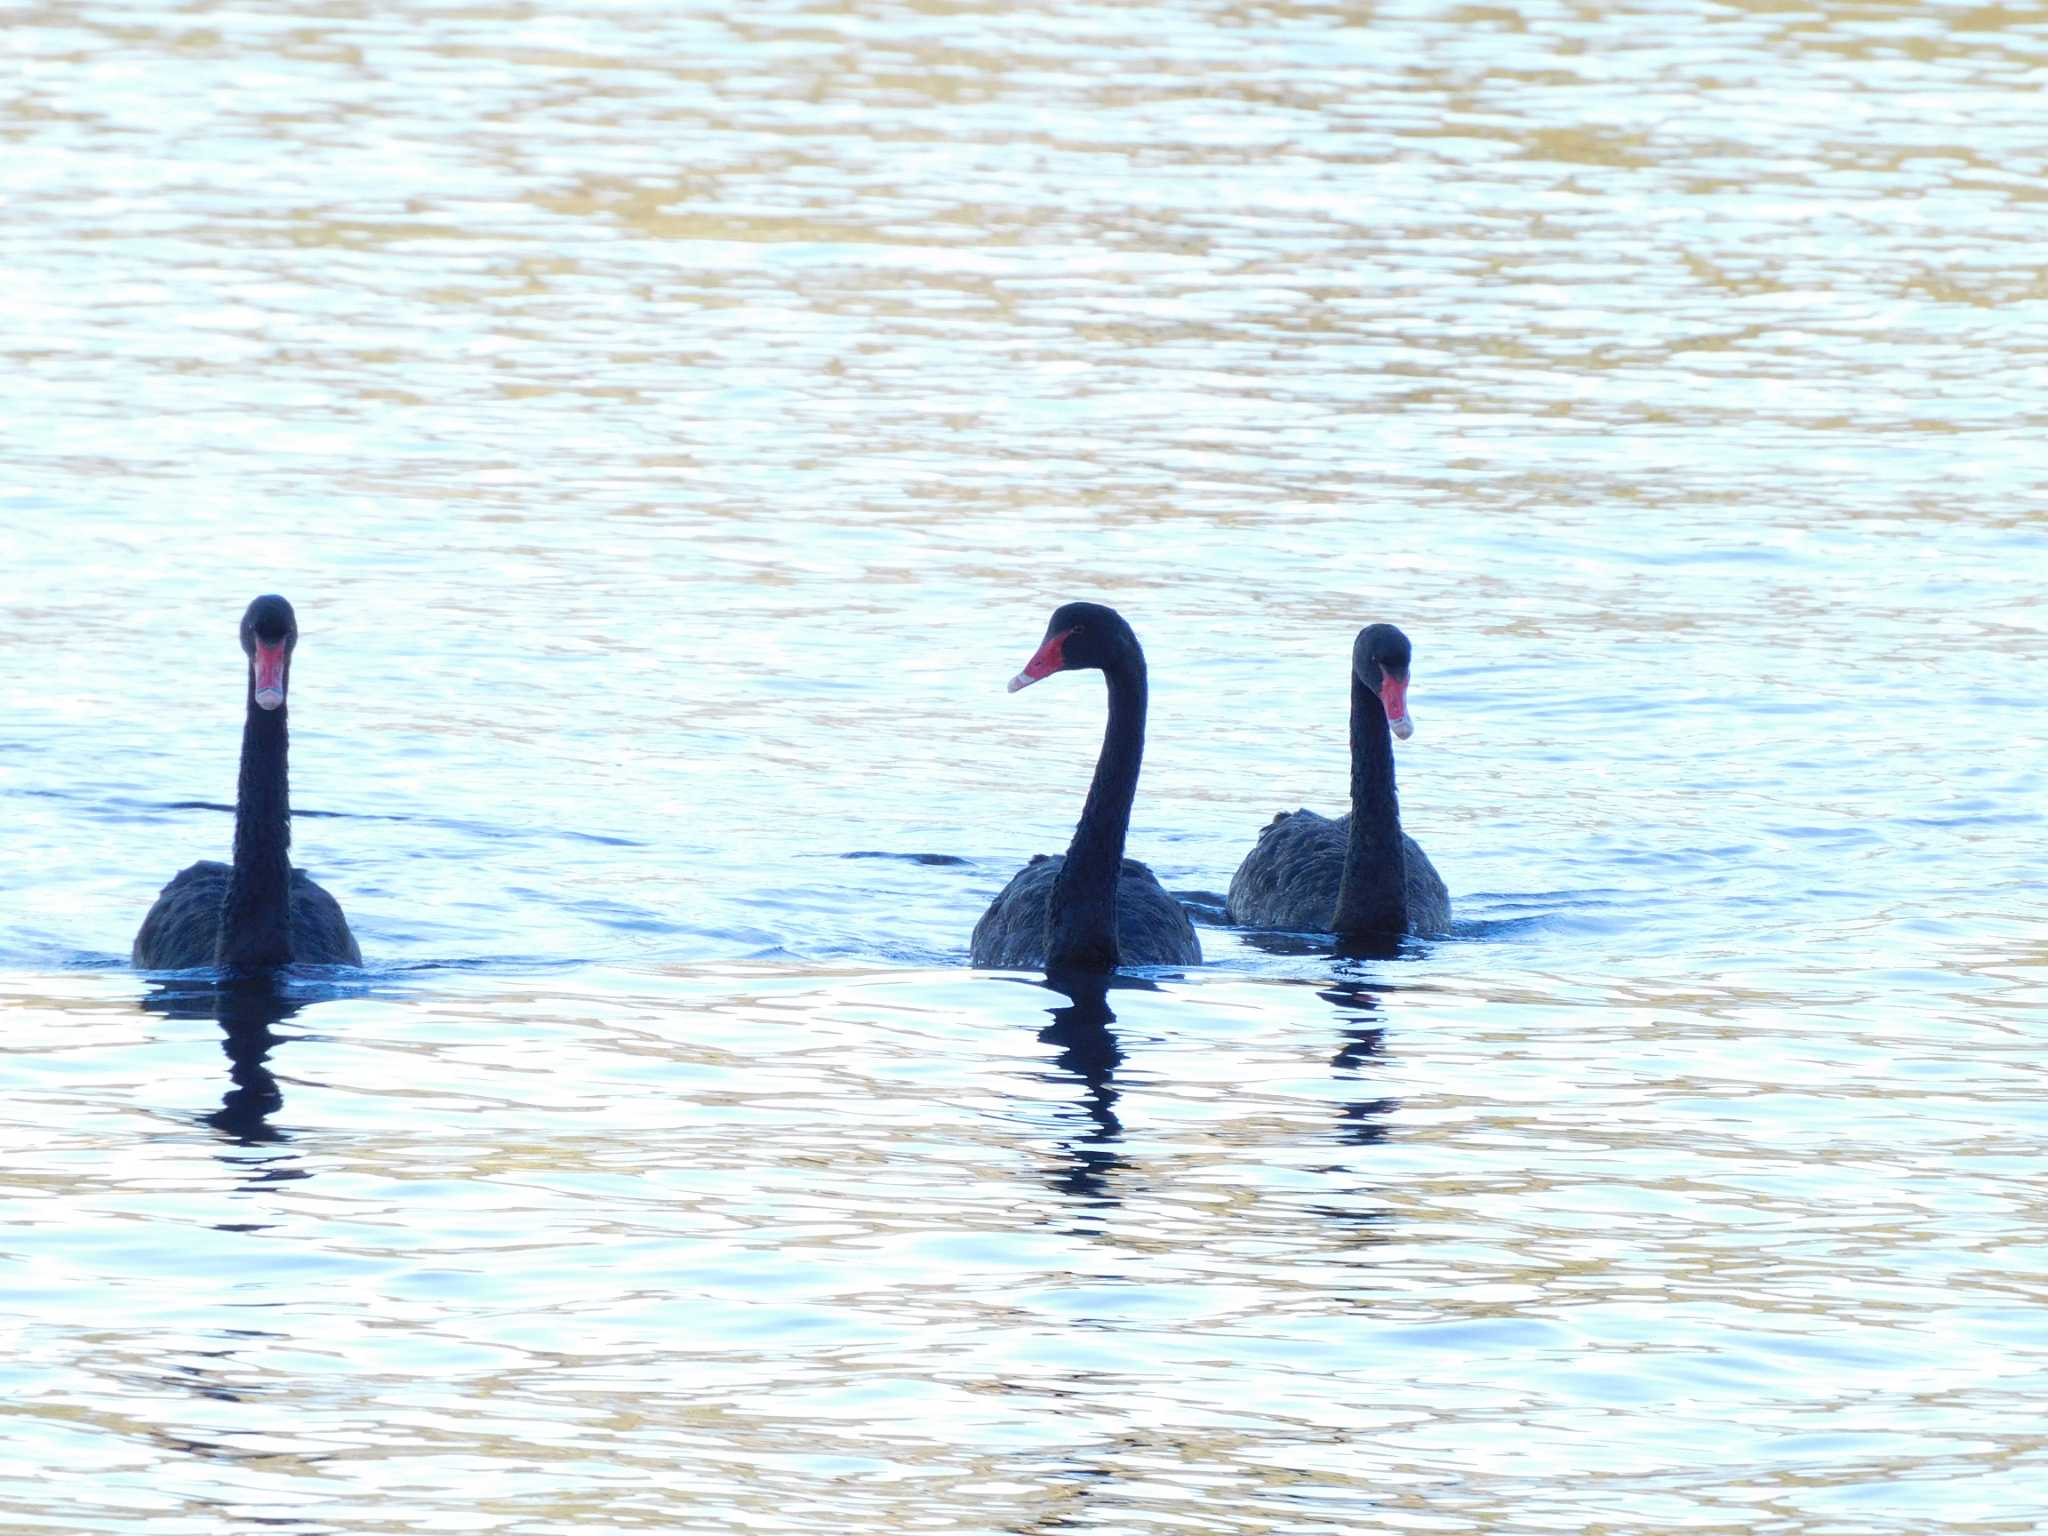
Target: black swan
x,y
1091,909
261,912
1359,876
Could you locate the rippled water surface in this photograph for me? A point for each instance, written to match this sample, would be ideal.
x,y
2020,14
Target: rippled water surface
x,y
674,423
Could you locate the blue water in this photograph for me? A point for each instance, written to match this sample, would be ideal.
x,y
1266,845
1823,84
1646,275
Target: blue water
x,y
674,428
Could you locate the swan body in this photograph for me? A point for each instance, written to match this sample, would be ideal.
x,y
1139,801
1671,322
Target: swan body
x,y
1290,880
183,927
1149,922
1091,909
258,912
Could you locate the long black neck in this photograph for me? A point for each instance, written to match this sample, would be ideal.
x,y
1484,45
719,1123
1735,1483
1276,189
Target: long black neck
x,y
1080,920
1372,898
255,915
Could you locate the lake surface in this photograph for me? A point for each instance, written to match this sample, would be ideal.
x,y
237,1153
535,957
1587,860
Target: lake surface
x,y
674,425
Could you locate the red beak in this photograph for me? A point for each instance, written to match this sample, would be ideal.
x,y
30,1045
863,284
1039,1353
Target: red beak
x,y
1394,699
1051,658
270,674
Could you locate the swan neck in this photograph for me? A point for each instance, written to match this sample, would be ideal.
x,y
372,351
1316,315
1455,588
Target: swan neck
x,y
255,925
1081,919
1372,896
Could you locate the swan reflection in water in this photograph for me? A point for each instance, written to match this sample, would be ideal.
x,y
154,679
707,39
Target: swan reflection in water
x,y
1089,1054
246,1008
1362,1038
1361,1122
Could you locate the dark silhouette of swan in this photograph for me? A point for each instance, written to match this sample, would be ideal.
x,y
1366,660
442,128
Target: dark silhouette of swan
x,y
1091,909
1360,876
259,912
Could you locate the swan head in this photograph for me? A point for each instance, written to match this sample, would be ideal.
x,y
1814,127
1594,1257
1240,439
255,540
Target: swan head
x,y
269,631
1379,660
1079,636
